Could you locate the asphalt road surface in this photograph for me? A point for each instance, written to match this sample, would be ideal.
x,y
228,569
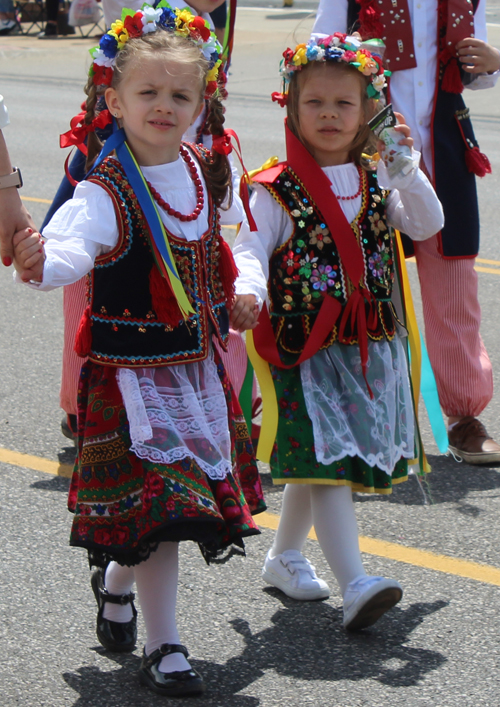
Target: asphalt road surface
x,y
254,647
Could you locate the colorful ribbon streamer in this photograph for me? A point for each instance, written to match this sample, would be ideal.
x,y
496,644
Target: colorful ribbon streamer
x,y
269,428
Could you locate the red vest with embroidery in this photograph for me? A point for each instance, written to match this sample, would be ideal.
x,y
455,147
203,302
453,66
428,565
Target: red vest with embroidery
x,y
125,327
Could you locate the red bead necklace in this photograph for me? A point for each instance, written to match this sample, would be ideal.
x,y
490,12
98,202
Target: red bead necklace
x,y
200,199
354,196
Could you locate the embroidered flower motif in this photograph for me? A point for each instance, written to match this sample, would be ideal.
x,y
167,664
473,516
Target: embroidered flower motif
x,y
291,262
319,236
323,277
377,223
376,265
307,264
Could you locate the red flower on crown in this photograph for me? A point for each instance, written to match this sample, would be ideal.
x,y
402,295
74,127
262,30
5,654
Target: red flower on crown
x,y
133,25
199,24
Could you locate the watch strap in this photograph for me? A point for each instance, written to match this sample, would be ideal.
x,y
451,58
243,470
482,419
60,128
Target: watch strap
x,y
13,179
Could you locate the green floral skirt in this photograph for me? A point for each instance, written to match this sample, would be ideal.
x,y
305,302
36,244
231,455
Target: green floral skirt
x,y
294,460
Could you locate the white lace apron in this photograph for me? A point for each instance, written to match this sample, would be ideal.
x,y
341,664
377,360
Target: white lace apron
x,y
175,412
346,422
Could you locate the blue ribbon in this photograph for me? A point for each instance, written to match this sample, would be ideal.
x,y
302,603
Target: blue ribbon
x,y
428,388
118,142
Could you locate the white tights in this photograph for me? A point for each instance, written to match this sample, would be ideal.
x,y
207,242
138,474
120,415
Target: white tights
x,y
156,581
331,510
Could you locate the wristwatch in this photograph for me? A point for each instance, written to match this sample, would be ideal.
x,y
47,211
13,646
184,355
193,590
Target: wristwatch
x,y
14,179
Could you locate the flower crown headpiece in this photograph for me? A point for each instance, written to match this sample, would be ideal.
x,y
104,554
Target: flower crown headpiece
x,y
180,22
365,56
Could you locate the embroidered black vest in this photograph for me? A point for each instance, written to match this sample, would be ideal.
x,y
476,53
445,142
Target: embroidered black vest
x,y
307,268
125,328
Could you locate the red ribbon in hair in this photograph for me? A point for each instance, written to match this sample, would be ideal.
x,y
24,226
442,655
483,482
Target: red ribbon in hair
x,y
222,144
280,98
80,130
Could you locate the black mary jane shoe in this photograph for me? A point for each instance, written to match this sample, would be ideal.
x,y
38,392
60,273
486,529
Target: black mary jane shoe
x,y
176,684
114,636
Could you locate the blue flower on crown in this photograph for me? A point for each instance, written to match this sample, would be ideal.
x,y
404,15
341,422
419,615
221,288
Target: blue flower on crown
x,y
313,52
333,53
109,46
167,19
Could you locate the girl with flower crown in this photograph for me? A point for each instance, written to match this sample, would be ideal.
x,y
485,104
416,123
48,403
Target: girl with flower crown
x,y
323,260
163,451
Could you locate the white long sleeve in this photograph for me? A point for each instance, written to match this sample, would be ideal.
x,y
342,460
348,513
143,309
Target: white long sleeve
x,y
86,227
413,208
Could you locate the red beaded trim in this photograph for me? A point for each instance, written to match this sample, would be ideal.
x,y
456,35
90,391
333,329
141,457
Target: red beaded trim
x,y
354,196
200,199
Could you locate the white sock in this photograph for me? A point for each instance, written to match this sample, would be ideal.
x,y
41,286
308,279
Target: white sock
x,y
337,531
156,581
295,520
118,580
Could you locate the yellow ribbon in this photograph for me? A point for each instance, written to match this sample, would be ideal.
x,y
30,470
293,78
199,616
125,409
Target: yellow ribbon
x,y
271,162
269,427
414,343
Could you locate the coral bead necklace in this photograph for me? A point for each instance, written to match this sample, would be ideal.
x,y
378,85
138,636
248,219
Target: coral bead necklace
x,y
353,196
200,199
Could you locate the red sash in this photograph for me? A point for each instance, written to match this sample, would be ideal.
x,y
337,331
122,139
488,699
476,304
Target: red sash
x,y
302,163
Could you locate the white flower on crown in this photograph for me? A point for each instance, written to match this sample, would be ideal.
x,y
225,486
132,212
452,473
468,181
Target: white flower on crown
x,y
378,82
101,59
150,18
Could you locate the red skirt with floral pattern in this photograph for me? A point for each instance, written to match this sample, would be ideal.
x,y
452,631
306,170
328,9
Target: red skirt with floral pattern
x,y
124,506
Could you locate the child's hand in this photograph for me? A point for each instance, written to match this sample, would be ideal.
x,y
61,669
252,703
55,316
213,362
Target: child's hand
x,y
402,128
29,255
478,57
244,313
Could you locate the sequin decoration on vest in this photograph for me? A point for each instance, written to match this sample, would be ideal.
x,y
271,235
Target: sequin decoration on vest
x,y
132,315
307,268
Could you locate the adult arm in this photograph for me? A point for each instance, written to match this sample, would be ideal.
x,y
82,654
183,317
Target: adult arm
x,y
14,216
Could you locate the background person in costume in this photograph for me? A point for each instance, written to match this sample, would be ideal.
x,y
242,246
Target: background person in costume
x,y
323,256
434,49
162,447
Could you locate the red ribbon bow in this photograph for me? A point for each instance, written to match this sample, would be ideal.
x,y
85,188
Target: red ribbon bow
x,y
222,143
80,130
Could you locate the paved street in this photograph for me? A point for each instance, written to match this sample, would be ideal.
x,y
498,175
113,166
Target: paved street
x,y
254,647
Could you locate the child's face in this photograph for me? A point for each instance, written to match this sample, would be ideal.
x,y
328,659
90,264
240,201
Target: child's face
x,y
157,101
202,6
330,112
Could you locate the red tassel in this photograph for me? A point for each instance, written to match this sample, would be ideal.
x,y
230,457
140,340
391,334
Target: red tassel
x,y
228,272
83,338
477,162
163,300
452,80
369,20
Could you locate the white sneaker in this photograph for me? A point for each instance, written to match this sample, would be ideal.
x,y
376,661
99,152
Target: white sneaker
x,y
295,576
367,598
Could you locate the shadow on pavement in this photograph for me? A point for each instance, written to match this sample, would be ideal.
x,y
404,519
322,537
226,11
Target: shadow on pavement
x,y
449,482
306,641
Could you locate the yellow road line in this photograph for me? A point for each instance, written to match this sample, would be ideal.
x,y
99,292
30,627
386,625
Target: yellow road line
x,y
477,268
370,546
33,198
35,463
410,555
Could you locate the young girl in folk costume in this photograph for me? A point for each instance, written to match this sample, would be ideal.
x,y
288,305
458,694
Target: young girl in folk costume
x,y
323,256
74,295
163,452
